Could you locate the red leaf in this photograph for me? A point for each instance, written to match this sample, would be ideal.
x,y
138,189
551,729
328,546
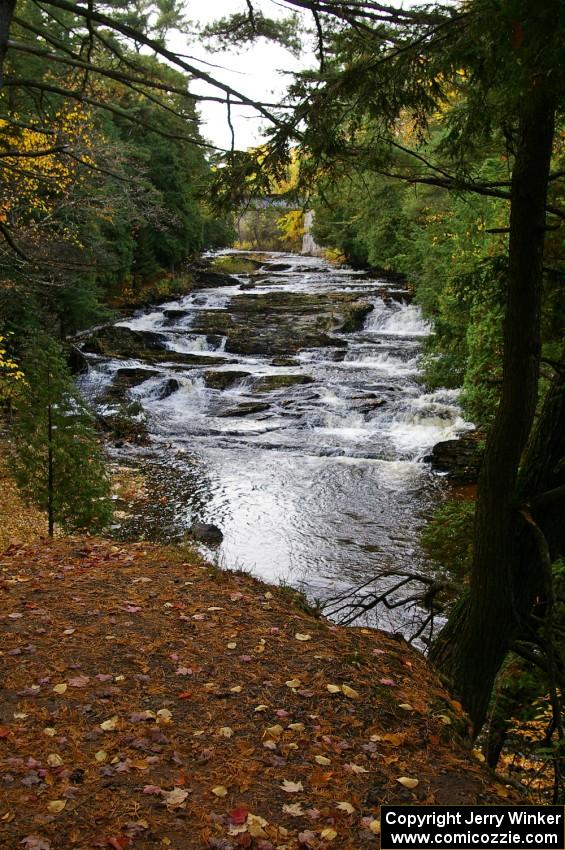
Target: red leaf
x,y
185,694
120,843
238,816
4,732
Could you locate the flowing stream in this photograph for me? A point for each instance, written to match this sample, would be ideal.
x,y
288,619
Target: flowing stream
x,y
320,484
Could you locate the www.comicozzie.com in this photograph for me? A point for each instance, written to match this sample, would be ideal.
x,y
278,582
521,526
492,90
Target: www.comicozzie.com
x,y
477,827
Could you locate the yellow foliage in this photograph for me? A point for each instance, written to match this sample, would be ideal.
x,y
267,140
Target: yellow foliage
x,y
11,376
32,186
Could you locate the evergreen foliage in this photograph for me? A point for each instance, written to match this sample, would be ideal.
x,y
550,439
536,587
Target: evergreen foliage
x,y
56,459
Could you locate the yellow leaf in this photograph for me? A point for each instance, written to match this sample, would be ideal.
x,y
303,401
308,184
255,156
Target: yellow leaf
x,y
232,645
164,717
110,724
408,781
346,807
56,806
405,706
220,791
328,834
226,732
375,827
293,683
261,708
322,760
54,760
101,755
49,731
236,690
274,731
255,825
60,689
302,637
333,689
349,692
296,727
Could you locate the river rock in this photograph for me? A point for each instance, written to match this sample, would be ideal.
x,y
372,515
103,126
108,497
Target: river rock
x,y
269,383
223,380
460,458
206,279
167,388
124,343
283,323
205,532
245,409
285,361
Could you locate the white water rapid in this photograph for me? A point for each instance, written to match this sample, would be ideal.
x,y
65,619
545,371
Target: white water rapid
x,y
324,484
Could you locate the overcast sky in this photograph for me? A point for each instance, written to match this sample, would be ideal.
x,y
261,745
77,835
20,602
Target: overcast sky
x,y
255,70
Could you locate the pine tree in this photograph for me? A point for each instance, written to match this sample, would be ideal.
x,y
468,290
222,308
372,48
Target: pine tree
x,y
56,459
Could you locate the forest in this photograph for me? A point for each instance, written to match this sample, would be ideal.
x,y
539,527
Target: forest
x,y
426,144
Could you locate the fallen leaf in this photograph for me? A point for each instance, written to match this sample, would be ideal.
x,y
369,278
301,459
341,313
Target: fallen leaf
x,y
294,809
175,798
349,692
356,768
236,690
346,807
56,806
291,787
35,842
60,689
164,717
54,760
293,683
405,706
219,791
50,731
328,834
274,731
100,756
261,708
333,689
408,781
296,727
120,842
110,724
238,816
256,826
375,827
302,637
322,760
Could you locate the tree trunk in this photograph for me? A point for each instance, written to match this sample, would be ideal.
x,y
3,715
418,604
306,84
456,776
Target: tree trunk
x,y
50,494
6,12
473,644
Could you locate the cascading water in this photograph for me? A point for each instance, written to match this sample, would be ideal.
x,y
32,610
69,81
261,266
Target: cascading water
x,y
320,484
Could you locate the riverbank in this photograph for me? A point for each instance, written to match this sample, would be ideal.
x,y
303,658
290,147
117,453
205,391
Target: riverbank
x,y
153,700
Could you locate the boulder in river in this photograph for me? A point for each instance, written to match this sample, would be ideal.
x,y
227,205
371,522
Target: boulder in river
x,y
216,380
206,532
283,323
460,458
245,409
269,383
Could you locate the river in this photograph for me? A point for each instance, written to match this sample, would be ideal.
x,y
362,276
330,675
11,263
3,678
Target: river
x,y
318,484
